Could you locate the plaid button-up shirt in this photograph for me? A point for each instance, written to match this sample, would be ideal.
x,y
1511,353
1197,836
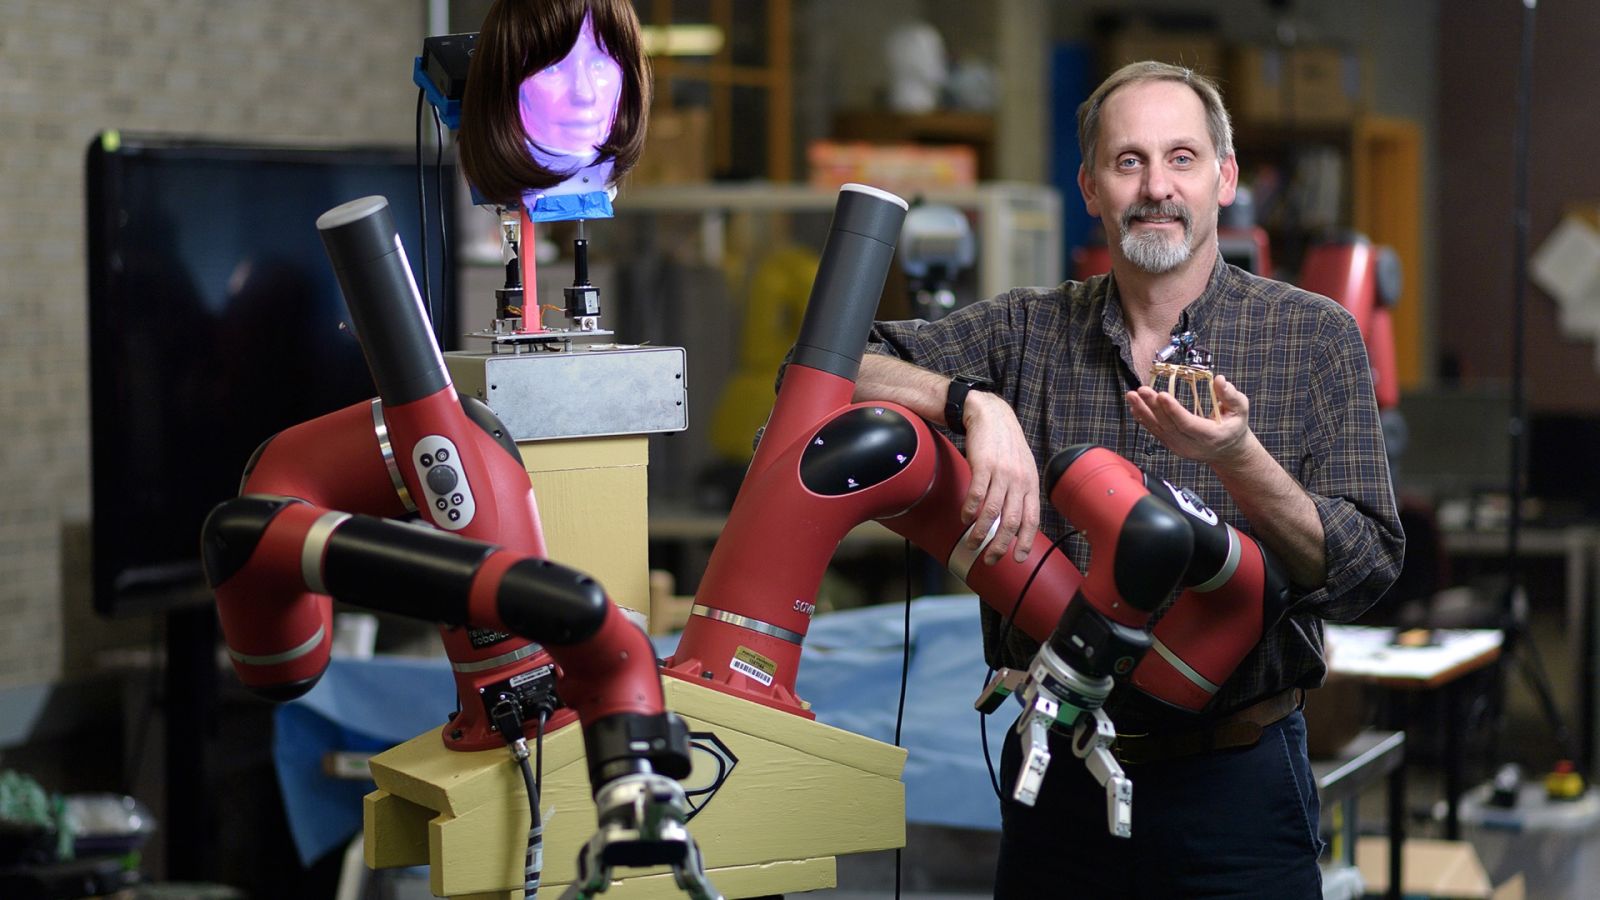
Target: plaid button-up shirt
x,y
1062,359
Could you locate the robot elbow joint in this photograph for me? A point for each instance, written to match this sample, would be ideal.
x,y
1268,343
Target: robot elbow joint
x,y
1157,543
550,603
232,531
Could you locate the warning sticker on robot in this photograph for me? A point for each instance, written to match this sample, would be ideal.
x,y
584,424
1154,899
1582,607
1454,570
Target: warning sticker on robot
x,y
751,664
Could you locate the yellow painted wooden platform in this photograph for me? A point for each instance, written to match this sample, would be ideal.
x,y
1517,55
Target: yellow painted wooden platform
x,y
800,794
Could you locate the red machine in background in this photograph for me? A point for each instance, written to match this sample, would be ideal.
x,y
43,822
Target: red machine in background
x,y
1366,279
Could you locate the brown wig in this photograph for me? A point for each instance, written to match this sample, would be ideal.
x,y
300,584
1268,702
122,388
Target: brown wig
x,y
519,38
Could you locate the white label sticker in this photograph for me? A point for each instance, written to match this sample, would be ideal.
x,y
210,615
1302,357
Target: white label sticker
x,y
744,668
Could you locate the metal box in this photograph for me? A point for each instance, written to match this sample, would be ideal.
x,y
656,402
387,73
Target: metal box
x,y
582,392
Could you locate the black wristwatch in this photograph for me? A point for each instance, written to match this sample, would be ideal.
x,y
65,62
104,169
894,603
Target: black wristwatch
x,y
955,400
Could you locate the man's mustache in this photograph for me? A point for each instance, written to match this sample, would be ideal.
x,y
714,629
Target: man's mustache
x,y
1166,209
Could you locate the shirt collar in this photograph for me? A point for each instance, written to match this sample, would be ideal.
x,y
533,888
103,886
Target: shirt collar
x,y
1196,313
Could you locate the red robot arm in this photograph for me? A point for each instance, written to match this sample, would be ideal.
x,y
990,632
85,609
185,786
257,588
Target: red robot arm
x,y
418,448
277,555
824,466
276,558
1234,590
1149,538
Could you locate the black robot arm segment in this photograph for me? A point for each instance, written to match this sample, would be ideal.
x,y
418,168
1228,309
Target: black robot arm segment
x,y
370,262
844,295
269,558
407,570
482,416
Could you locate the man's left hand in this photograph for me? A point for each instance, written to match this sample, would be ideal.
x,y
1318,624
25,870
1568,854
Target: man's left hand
x,y
1218,441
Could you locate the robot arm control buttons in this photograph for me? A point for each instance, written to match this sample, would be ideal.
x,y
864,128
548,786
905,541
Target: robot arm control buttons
x,y
436,463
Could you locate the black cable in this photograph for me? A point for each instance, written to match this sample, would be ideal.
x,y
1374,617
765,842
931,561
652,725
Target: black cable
x,y
507,717
534,859
538,747
983,738
422,207
444,226
905,672
533,864
905,652
1000,644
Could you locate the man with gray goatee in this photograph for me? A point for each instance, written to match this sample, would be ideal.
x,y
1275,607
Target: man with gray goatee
x,y
1224,801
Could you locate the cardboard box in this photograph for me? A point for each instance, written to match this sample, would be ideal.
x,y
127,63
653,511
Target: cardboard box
x,y
1198,50
1299,86
593,504
1326,85
1447,870
1256,83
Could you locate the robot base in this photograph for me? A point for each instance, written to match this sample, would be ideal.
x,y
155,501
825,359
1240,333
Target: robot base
x,y
778,797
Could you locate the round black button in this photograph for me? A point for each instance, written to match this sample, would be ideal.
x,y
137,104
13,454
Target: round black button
x,y
455,514
442,454
442,478
427,460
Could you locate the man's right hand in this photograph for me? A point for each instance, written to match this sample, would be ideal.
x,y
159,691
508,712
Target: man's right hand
x,y
1005,479
1005,476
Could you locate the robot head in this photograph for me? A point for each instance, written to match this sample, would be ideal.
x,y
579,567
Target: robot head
x,y
568,106
554,85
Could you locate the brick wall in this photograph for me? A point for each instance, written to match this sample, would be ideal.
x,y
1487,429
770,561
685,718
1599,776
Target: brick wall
x,y
290,70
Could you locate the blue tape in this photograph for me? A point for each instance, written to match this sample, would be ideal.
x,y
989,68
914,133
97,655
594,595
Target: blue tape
x,y
566,207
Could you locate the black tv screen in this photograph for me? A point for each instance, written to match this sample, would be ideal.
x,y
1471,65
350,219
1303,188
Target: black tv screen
x,y
215,321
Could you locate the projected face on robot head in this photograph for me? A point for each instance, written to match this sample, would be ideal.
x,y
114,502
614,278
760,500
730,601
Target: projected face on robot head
x,y
568,107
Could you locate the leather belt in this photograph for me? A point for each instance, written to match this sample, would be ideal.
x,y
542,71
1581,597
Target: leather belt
x,y
1241,728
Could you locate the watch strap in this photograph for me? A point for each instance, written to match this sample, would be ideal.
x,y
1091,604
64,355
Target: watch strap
x,y
955,400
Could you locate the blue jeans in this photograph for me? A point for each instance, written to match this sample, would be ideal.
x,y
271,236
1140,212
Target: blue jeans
x,y
1233,823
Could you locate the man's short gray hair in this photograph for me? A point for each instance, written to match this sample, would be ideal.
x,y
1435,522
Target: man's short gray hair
x,y
1217,121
